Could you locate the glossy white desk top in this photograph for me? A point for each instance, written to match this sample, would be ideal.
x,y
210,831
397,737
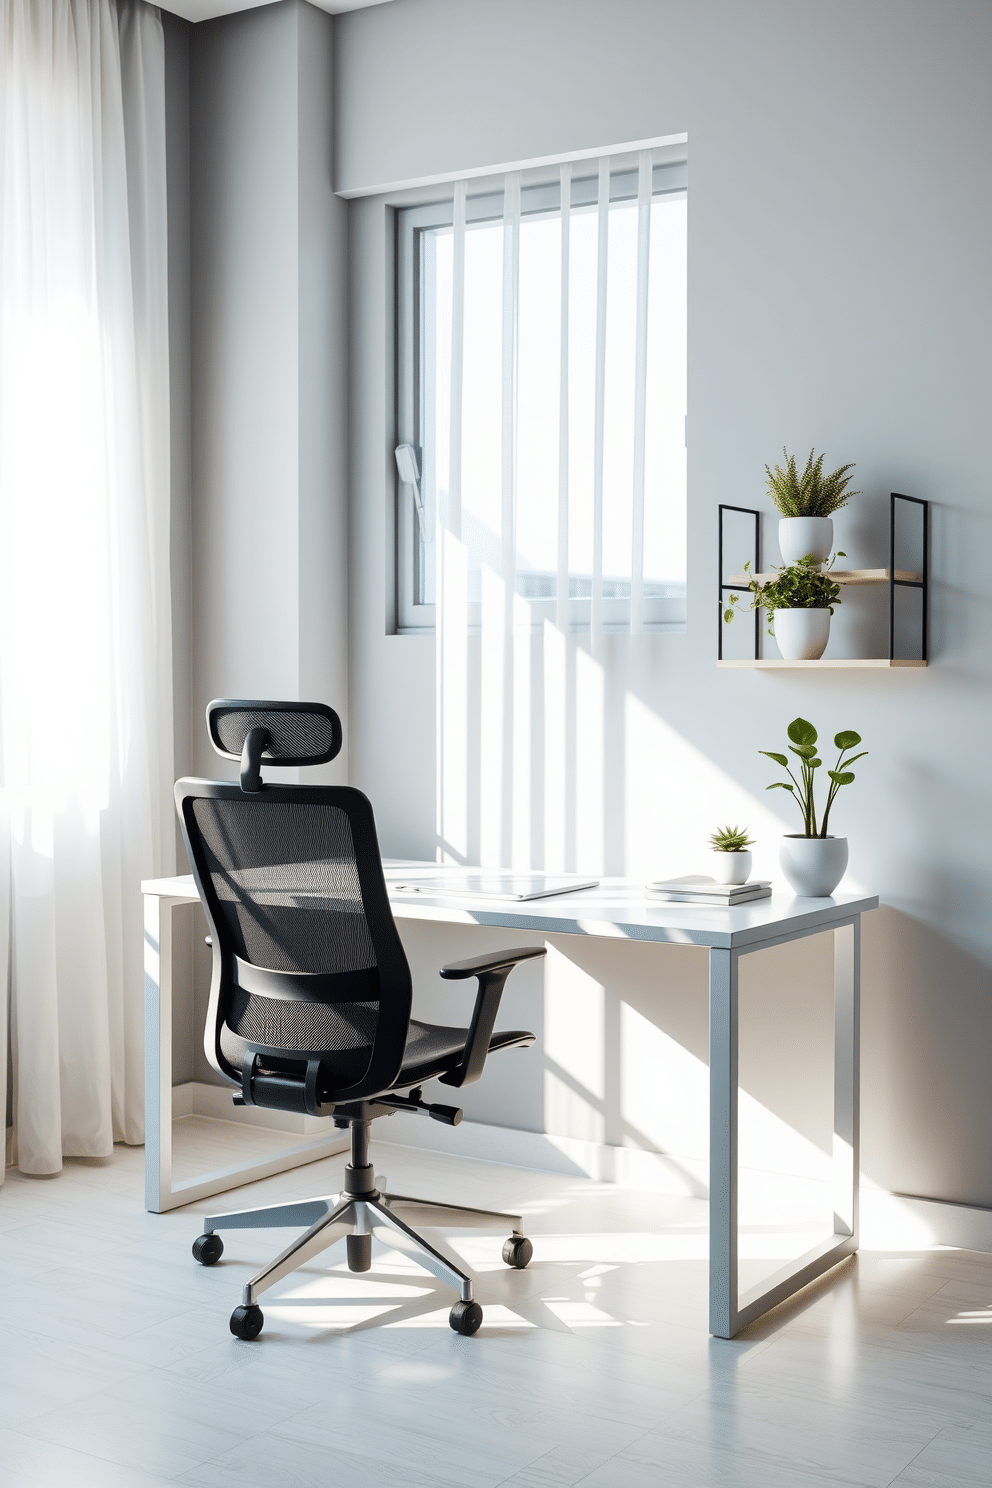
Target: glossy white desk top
x,y
617,910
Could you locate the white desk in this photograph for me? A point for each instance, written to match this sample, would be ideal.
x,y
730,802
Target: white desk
x,y
616,910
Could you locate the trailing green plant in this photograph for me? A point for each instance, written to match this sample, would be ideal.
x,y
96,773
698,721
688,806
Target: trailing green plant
x,y
799,586
803,746
730,839
811,494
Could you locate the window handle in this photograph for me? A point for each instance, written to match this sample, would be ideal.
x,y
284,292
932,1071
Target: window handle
x,y
408,468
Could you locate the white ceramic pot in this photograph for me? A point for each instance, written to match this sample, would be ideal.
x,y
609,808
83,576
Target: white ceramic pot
x,y
802,635
814,866
798,536
731,867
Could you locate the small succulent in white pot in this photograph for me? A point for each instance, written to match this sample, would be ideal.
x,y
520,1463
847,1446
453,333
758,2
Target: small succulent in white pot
x,y
807,503
799,600
730,857
813,862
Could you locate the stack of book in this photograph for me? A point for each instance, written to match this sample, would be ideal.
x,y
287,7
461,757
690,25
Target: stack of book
x,y
696,888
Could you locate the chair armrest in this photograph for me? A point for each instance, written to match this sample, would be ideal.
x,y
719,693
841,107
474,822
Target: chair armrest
x,y
476,965
492,972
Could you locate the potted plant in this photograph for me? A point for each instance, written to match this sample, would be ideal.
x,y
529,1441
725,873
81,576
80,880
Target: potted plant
x,y
800,601
731,859
812,860
807,502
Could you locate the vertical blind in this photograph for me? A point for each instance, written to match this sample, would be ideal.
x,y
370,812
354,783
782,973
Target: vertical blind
x,y
552,416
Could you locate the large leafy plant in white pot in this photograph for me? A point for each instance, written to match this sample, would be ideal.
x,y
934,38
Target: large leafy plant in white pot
x,y
799,600
807,503
812,860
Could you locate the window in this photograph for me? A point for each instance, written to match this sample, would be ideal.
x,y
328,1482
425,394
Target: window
x,y
590,445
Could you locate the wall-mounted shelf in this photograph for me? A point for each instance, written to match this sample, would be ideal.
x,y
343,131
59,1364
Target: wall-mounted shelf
x,y
893,578
863,661
841,576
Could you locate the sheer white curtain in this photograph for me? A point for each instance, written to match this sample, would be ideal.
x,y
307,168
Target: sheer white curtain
x,y
557,474
85,637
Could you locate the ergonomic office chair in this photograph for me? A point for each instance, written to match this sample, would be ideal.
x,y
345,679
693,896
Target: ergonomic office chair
x,y
311,993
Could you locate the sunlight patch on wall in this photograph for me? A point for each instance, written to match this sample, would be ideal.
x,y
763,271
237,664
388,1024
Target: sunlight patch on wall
x,y
676,796
664,1092
665,1098
574,1045
569,1113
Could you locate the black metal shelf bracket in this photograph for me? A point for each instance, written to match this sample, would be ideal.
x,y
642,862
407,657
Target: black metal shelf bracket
x,y
922,583
723,586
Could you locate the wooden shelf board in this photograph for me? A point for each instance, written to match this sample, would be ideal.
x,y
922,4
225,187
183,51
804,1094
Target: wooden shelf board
x,y
842,576
871,661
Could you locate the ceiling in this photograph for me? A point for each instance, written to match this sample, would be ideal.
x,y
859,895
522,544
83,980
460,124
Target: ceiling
x,y
205,10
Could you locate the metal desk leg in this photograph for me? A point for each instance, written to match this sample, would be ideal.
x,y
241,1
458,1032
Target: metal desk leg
x,y
723,1142
847,1079
160,1191
158,1052
729,1311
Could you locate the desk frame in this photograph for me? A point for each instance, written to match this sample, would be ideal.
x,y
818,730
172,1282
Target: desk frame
x,y
729,1310
161,1193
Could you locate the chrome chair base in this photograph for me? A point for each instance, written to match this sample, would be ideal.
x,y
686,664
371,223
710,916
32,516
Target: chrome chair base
x,y
334,1216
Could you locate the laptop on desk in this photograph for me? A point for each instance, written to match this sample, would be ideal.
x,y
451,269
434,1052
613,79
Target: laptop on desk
x,y
493,885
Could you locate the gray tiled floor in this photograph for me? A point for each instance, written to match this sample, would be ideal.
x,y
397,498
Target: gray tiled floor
x,y
593,1366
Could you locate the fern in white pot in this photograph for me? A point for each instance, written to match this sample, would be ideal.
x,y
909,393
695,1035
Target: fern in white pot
x,y
807,503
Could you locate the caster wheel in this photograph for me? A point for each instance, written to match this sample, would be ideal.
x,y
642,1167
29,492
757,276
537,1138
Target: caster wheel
x,y
466,1318
246,1322
208,1249
359,1252
518,1251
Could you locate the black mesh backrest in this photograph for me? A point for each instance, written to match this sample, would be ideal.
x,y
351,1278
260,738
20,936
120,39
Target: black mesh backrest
x,y
299,733
286,883
291,881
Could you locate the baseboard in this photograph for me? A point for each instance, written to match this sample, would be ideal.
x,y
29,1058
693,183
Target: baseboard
x,y
196,1098
905,1222
888,1221
627,1166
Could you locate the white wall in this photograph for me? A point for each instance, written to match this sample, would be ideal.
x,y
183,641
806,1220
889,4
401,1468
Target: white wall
x,y
840,215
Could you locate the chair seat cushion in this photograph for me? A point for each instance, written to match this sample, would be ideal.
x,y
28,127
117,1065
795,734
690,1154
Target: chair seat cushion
x,y
431,1049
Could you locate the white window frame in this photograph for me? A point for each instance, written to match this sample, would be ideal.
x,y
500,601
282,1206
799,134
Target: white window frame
x,y
414,617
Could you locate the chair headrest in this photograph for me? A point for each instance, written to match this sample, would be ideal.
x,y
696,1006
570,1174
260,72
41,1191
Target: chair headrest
x,y
297,733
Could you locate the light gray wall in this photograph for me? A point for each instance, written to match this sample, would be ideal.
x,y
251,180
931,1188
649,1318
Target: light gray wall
x,y
269,376
243,99
840,215
322,315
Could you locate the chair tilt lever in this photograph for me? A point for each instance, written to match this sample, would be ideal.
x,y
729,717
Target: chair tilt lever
x,y
449,1115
